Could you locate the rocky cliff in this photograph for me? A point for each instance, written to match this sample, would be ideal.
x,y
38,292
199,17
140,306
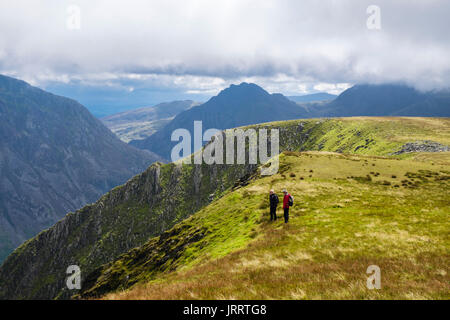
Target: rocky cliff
x,y
122,219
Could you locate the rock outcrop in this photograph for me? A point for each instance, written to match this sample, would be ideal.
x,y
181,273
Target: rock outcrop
x,y
422,146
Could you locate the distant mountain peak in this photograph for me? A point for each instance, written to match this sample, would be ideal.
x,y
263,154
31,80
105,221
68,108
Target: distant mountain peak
x,y
235,106
243,88
246,85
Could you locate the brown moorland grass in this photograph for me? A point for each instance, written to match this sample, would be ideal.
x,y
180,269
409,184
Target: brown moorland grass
x,y
340,224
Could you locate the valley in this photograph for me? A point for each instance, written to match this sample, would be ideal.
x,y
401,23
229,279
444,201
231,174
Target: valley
x,y
143,122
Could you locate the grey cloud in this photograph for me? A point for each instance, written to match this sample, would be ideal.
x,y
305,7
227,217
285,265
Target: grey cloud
x,y
309,41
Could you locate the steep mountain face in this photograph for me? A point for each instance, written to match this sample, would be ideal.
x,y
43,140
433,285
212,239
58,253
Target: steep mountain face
x,y
321,96
435,104
154,201
387,100
55,157
124,218
235,106
141,123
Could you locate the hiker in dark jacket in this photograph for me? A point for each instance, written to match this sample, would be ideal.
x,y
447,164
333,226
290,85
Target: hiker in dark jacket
x,y
273,199
286,205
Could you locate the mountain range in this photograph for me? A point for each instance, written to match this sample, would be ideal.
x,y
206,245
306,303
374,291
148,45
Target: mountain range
x,y
248,103
387,100
236,106
55,157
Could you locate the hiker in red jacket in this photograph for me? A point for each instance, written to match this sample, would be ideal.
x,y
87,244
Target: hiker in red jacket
x,y
287,202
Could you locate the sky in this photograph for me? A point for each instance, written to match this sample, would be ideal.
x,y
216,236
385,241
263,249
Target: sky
x,y
114,55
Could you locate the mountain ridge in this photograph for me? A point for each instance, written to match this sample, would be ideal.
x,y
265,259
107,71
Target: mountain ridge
x,y
387,100
230,249
154,201
248,103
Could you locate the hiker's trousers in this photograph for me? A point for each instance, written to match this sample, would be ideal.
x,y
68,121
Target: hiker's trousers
x,y
286,215
273,213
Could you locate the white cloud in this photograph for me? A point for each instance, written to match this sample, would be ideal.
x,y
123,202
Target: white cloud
x,y
334,88
203,45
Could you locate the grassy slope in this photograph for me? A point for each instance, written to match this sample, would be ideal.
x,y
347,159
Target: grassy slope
x,y
367,135
341,223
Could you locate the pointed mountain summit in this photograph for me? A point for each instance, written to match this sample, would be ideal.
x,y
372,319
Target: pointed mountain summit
x,y
235,106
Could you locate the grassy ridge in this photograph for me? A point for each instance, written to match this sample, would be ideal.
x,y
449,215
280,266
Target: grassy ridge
x,y
351,211
360,135
164,195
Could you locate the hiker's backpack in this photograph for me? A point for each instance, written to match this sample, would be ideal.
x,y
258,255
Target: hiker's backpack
x,y
291,201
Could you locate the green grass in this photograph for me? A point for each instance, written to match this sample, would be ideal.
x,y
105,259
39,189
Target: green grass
x,y
340,188
341,223
361,135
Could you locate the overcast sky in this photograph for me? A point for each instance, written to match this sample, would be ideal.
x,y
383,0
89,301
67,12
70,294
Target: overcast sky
x,y
135,53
